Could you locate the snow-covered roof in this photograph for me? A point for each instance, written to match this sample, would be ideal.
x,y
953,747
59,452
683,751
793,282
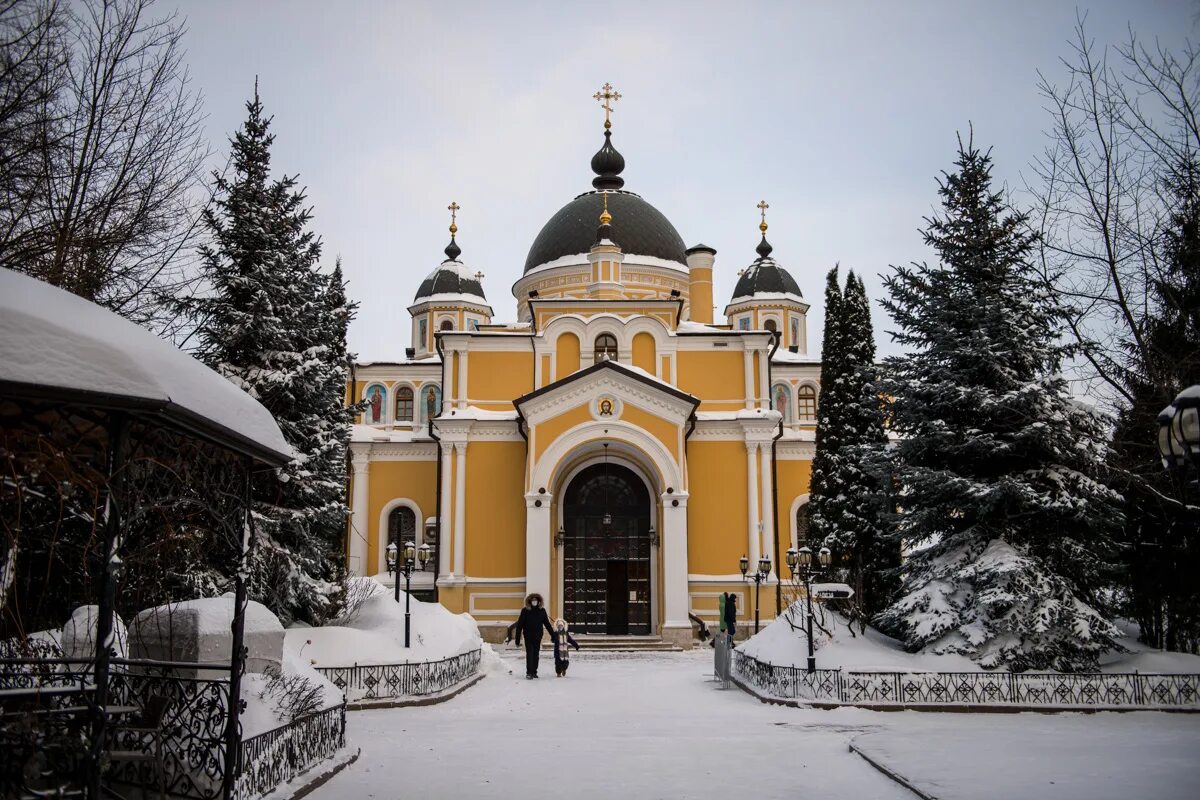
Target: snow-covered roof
x,y
53,343
370,433
691,326
785,356
477,413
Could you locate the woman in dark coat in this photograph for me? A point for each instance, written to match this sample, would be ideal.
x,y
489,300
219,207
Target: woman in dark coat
x,y
533,618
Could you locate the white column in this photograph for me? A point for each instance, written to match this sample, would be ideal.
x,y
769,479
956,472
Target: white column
x,y
749,368
537,544
460,510
764,394
462,379
752,502
360,527
444,531
674,553
768,507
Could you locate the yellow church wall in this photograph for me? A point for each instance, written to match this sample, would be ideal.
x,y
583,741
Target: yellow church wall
x,y
498,375
661,429
567,355
643,352
546,432
495,509
717,507
793,479
395,480
707,374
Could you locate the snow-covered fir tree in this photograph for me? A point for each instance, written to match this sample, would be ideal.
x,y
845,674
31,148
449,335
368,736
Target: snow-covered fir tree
x,y
276,326
1008,532
1163,593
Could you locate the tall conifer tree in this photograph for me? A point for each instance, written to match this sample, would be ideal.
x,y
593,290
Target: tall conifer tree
x,y
274,325
824,483
1009,533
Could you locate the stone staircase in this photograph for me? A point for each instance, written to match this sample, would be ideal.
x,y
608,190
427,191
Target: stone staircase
x,y
595,643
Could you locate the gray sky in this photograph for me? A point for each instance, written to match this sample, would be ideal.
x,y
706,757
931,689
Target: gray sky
x,y
839,114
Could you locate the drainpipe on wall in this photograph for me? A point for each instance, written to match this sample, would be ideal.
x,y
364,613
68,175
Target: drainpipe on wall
x,y
437,488
778,335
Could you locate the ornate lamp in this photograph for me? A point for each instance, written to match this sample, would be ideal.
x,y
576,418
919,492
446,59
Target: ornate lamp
x,y
792,559
424,554
824,557
410,552
764,566
391,557
744,565
560,537
606,520
1179,429
653,536
804,557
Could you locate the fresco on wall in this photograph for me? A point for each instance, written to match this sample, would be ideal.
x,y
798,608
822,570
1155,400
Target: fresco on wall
x,y
374,398
431,401
781,399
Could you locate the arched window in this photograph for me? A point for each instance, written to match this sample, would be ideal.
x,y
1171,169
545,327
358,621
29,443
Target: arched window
x,y
806,404
402,527
376,400
802,525
404,404
606,347
771,325
781,398
446,325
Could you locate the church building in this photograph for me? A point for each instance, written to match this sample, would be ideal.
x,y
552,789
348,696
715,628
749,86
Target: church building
x,y
614,448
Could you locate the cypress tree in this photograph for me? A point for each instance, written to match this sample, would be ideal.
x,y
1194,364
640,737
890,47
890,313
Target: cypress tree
x,y
1008,532
824,484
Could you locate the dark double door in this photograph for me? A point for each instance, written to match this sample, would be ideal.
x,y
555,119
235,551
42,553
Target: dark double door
x,y
606,564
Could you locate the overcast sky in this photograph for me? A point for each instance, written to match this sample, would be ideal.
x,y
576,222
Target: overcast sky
x,y
839,114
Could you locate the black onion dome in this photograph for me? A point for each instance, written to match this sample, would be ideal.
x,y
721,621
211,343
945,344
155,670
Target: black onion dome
x,y
637,227
451,277
765,276
608,165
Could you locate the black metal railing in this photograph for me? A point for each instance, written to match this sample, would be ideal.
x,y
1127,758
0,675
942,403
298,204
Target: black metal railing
x,y
50,705
410,679
1056,689
269,759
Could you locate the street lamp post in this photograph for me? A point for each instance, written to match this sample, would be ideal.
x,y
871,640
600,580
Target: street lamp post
x,y
761,574
1179,434
801,561
412,555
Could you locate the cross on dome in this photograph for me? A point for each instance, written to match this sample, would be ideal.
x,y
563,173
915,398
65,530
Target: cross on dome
x,y
453,251
453,209
603,97
762,207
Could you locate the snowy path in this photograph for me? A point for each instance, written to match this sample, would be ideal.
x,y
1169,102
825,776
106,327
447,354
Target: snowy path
x,y
645,726
649,726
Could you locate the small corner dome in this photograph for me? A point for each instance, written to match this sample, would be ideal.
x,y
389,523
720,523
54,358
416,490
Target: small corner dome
x,y
766,278
451,278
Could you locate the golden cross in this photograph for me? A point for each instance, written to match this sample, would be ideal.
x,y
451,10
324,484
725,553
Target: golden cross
x,y
606,94
479,276
453,209
762,207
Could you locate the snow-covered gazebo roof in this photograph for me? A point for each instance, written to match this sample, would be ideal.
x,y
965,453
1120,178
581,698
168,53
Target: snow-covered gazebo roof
x,y
57,346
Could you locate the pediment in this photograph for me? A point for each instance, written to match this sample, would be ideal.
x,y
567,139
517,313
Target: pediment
x,y
606,388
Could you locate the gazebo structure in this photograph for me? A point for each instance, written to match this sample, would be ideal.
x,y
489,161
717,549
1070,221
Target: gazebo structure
x,y
116,447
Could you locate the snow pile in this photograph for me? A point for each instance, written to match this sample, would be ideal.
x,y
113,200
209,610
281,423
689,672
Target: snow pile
x,y
78,636
1142,658
783,643
263,711
373,633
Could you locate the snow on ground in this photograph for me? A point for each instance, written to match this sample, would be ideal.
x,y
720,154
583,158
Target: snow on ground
x,y
783,643
651,726
1046,756
374,634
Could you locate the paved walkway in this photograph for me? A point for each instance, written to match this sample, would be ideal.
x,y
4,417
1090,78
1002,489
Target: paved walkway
x,y
626,727
650,726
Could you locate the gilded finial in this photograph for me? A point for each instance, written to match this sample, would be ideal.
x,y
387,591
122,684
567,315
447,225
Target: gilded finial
x,y
603,97
762,207
453,209
605,217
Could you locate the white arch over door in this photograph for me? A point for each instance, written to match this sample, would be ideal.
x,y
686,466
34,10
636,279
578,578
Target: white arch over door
x,y
382,535
550,464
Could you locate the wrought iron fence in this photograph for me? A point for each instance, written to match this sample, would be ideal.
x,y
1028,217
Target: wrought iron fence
x,y
272,758
384,681
48,716
1054,689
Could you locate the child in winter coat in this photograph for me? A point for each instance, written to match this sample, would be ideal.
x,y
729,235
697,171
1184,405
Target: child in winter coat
x,y
562,656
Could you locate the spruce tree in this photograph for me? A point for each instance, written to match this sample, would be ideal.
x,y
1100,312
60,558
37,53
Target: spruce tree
x,y
1008,533
824,484
275,326
1163,594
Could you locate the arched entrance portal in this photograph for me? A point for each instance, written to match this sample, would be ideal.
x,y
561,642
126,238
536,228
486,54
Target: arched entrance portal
x,y
606,551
